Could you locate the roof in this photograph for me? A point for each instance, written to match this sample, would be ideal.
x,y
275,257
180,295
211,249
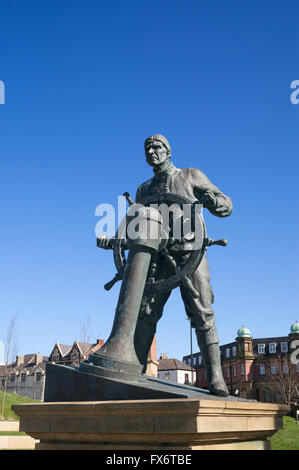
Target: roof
x,y
173,364
277,339
295,327
244,332
64,348
85,346
23,368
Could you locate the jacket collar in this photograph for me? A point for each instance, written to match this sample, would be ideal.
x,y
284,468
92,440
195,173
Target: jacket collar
x,y
168,168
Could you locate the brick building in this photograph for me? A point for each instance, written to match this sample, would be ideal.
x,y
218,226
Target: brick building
x,y
257,368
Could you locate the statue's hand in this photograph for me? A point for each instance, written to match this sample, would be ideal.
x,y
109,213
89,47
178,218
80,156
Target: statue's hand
x,y
104,242
208,200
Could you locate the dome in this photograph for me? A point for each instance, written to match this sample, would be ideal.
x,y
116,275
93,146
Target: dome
x,y
244,332
295,327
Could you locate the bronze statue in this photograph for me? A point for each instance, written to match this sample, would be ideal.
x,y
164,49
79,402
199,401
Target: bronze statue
x,y
175,262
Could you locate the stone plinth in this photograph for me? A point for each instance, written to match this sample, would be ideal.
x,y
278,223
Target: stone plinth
x,y
181,424
17,443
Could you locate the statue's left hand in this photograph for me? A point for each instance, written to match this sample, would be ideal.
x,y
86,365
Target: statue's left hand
x,y
208,200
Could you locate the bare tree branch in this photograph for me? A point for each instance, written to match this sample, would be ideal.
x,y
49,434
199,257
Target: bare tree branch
x,y
285,380
85,335
11,349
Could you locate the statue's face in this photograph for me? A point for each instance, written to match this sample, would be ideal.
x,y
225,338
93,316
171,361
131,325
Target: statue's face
x,y
156,153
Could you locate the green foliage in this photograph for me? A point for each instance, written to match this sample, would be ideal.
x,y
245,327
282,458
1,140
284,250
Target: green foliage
x,y
13,399
288,437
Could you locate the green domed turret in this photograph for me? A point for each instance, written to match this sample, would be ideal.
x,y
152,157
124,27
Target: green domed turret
x,y
295,327
244,332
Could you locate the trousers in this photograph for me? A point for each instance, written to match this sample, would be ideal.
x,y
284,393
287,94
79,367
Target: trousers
x,y
199,310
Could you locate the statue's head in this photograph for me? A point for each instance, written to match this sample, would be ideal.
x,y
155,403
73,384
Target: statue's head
x,y
157,150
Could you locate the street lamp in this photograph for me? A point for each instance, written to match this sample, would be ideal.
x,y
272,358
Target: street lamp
x,y
191,351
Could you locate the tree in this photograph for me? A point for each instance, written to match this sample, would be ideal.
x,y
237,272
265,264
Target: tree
x,y
85,336
284,377
10,355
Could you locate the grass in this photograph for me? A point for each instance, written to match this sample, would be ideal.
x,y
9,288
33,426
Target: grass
x,y
288,437
13,399
12,433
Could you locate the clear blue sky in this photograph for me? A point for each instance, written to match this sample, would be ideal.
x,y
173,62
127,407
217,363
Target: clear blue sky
x,y
86,82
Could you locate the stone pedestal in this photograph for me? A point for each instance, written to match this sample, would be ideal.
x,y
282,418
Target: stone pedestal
x,y
164,424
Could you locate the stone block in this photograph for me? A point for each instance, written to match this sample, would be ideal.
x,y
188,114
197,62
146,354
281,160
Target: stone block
x,y
186,423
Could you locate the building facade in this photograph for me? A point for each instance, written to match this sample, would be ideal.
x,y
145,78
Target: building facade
x,y
264,369
72,355
176,371
26,376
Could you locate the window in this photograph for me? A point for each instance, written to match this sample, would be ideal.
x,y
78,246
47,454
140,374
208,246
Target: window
x,y
285,369
12,377
166,375
261,349
228,372
284,347
273,369
38,376
234,351
268,396
297,367
199,360
187,379
227,352
235,371
55,358
242,369
23,376
194,361
262,369
272,348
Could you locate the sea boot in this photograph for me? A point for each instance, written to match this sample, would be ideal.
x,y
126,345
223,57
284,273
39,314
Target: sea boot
x,y
208,343
144,335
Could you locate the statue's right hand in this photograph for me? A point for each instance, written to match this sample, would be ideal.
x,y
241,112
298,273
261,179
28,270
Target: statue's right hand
x,y
104,242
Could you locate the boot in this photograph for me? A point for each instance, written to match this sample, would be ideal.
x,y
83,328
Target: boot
x,y
208,343
144,335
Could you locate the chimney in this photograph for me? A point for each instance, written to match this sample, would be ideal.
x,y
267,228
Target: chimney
x,y
19,360
100,342
38,359
163,356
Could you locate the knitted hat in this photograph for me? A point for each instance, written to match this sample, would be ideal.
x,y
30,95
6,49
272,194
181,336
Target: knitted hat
x,y
160,138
